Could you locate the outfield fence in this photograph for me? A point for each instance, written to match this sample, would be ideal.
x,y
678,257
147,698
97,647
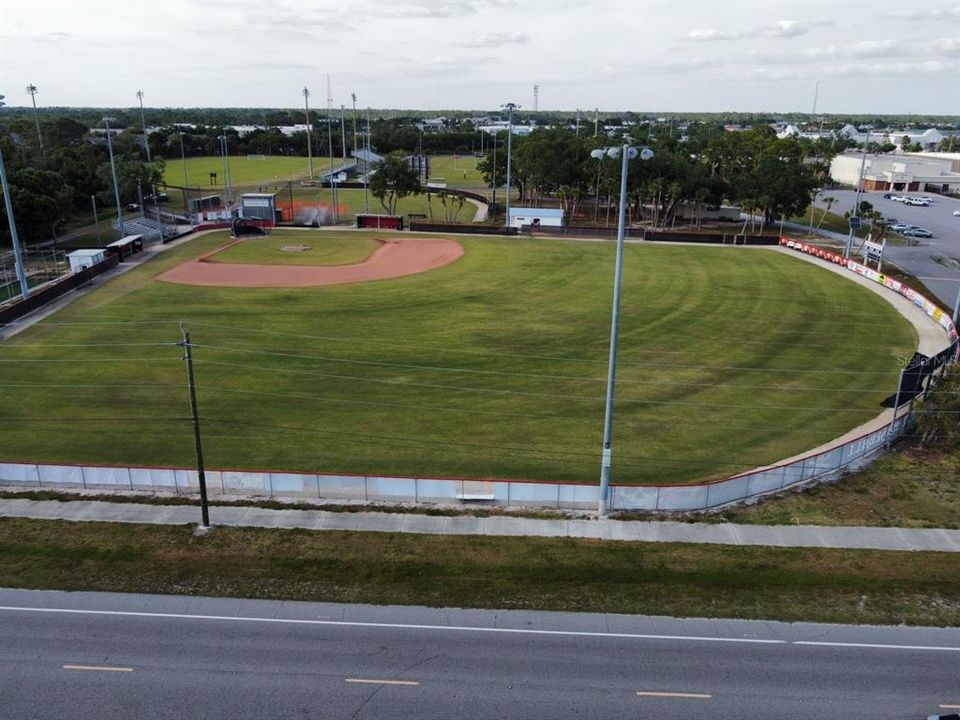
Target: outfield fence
x,y
821,467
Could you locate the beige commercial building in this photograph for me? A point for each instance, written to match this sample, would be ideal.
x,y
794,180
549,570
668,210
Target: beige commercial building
x,y
937,173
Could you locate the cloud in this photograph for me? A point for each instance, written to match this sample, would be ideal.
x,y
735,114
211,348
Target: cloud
x,y
949,46
780,28
493,40
923,14
923,67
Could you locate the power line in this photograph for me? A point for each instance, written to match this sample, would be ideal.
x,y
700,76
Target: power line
x,y
411,366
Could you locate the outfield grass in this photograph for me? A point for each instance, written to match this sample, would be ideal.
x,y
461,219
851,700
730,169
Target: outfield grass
x,y
351,202
324,248
243,170
458,173
493,366
792,584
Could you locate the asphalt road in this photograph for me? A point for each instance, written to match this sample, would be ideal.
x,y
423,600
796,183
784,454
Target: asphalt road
x,y
936,260
93,655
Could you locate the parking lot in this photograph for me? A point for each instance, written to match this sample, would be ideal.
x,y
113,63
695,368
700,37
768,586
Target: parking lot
x,y
936,261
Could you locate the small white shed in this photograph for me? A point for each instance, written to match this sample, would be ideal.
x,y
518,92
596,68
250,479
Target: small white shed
x,y
82,259
542,217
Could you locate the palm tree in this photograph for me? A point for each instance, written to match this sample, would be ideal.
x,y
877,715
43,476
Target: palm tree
x,y
828,201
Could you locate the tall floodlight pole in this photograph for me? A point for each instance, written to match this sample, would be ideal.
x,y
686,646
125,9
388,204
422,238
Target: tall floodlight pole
x,y
366,174
226,163
494,202
113,172
343,136
96,220
509,107
32,92
306,106
626,153
143,124
856,207
353,98
578,122
596,122
17,257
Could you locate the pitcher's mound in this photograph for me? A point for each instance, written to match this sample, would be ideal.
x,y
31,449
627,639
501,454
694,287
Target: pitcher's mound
x,y
394,258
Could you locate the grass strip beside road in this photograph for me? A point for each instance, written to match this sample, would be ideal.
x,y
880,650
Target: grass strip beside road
x,y
791,584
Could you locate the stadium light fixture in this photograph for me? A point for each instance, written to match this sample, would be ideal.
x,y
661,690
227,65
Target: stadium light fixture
x,y
626,154
8,204
113,171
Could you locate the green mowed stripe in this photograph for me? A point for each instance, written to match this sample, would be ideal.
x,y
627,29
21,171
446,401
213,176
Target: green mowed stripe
x,y
243,169
493,366
299,248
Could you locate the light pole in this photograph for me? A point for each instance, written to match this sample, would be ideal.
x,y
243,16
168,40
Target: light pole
x,y
306,106
366,174
96,220
143,123
626,153
17,257
509,107
343,136
113,171
494,202
353,97
856,208
32,92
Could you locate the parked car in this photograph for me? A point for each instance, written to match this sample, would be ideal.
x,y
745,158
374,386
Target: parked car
x,y
917,232
891,221
916,201
956,213
887,196
900,227
132,207
160,197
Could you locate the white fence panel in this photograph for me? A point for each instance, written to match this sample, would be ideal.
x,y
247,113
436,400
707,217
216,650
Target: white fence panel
x,y
429,490
579,496
693,497
391,488
106,476
299,484
765,481
244,483
727,491
153,478
61,475
342,487
626,497
533,494
19,473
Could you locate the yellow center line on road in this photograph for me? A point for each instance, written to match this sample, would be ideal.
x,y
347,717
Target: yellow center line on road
x,y
688,696
100,668
367,681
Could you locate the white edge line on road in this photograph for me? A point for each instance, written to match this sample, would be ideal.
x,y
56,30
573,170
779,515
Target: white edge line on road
x,y
949,707
99,668
464,628
683,695
878,646
367,681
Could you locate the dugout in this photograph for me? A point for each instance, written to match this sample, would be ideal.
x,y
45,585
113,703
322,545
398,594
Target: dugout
x,y
126,246
259,206
380,222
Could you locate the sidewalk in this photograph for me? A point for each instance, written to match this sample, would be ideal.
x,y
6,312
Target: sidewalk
x,y
863,538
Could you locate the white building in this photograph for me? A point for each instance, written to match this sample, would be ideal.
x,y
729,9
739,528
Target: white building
x,y
928,139
540,217
897,172
82,259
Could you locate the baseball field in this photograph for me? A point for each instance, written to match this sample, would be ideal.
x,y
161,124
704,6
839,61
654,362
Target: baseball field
x,y
493,365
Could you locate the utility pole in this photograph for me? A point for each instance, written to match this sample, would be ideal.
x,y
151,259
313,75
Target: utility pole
x,y
143,123
306,105
113,172
596,122
32,92
578,122
509,107
536,98
201,475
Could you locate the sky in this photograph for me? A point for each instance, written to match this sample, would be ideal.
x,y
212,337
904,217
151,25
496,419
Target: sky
x,y
616,55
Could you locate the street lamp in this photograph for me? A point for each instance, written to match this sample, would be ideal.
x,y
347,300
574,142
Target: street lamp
x,y
8,204
509,107
113,171
626,153
306,106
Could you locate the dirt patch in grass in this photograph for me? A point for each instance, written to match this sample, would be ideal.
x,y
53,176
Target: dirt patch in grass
x,y
530,573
